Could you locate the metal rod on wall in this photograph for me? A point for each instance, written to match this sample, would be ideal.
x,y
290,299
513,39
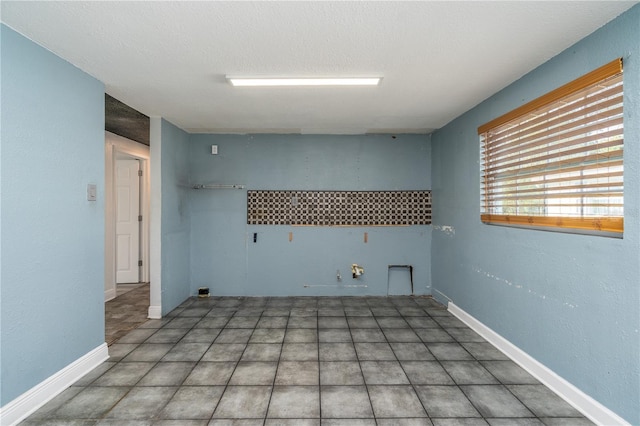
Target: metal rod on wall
x,y
218,186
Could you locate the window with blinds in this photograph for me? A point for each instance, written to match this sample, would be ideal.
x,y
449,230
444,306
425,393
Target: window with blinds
x,y
557,161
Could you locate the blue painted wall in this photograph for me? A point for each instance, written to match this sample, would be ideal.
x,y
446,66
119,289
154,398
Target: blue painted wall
x,y
52,138
176,220
223,255
570,301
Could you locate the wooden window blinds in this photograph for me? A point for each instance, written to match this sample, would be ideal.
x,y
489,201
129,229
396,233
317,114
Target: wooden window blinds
x,y
557,161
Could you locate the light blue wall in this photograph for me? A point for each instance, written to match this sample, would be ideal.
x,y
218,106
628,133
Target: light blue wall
x,y
570,301
223,255
175,216
52,294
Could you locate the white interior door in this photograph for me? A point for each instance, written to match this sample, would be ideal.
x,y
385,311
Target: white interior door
x,y
127,223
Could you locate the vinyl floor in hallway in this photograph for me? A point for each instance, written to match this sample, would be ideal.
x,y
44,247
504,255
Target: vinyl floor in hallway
x,y
307,361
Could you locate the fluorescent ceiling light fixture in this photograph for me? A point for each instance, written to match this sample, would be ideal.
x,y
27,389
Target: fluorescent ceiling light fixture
x,y
304,81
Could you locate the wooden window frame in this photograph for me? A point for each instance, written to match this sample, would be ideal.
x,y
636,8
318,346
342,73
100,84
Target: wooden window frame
x,y
541,151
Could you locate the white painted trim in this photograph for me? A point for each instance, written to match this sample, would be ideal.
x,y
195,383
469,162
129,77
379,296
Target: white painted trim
x,y
155,312
110,294
24,405
588,406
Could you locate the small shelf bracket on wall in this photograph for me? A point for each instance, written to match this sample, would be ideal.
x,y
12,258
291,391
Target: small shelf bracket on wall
x,y
218,186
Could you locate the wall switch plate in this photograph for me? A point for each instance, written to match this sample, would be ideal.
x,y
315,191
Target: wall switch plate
x,y
214,149
92,192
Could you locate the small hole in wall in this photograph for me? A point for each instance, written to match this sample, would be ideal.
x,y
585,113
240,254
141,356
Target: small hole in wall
x,y
393,136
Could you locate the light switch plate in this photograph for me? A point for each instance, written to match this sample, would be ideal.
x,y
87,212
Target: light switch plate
x,y
92,191
214,149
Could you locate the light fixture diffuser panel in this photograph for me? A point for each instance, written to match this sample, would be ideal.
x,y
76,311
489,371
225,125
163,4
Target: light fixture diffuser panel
x,y
303,81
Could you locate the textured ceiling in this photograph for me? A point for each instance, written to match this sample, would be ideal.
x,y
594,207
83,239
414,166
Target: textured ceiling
x,y
438,59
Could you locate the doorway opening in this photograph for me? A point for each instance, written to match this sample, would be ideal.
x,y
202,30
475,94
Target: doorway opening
x,y
127,207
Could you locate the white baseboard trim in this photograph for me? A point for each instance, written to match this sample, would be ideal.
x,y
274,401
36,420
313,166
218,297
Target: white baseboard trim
x,y
155,312
588,406
24,405
110,294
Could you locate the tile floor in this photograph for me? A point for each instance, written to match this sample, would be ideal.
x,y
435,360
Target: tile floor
x,y
127,311
306,361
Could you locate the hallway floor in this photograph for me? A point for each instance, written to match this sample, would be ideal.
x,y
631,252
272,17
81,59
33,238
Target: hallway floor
x,y
307,361
127,311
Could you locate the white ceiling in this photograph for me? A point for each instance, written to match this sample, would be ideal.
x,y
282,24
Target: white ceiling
x,y
438,59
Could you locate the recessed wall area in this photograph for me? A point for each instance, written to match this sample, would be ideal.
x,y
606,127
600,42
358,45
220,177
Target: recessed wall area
x,y
235,255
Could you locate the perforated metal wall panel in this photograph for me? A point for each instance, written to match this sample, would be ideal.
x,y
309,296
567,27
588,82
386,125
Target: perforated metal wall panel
x,y
339,208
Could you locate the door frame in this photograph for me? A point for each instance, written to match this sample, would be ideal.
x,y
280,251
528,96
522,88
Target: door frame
x,y
117,147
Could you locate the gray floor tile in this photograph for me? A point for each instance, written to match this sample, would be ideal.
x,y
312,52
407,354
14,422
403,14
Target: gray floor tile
x,y
91,376
395,401
262,352
469,373
449,352
242,322
297,373
212,322
234,335
239,402
358,312
348,422
495,401
345,402
484,351
299,352
340,373
167,374
138,335
142,403
543,402
384,311
186,352
254,373
383,373
267,335
192,402
121,422
362,322
167,335
334,335
90,403
566,421
47,410
224,352
433,335
405,422
148,352
195,312
445,401
210,374
303,322
183,422
273,322
330,312
124,374
510,373
337,352
292,422
422,322
276,312
392,322
118,351
403,335
183,322
374,352
449,322
301,335
465,335
332,322
294,402
523,421
367,335
460,422
426,373
411,352
201,335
